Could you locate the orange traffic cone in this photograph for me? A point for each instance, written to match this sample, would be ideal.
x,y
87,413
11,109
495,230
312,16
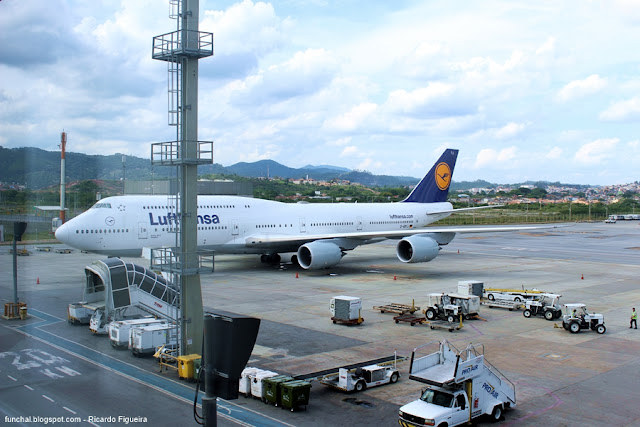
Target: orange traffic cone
x,y
38,281
582,277
296,275
395,278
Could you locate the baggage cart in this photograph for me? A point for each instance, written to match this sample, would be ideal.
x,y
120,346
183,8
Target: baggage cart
x,y
294,394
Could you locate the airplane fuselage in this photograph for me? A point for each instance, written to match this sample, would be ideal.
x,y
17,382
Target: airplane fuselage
x,y
123,225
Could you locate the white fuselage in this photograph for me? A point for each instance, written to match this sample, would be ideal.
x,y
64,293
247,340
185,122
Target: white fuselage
x,y
124,225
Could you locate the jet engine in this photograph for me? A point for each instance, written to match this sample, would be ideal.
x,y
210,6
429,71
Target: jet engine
x,y
417,248
319,254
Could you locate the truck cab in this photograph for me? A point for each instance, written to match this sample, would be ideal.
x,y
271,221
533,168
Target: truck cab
x,y
436,406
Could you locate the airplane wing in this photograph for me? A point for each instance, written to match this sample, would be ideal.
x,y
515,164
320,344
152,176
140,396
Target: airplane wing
x,y
268,239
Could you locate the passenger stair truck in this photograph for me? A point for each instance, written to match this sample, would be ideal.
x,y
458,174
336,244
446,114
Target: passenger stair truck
x,y
463,386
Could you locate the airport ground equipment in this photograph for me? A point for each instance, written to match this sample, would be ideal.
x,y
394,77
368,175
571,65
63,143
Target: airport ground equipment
x,y
361,378
64,251
187,366
44,248
576,318
79,313
397,308
463,385
515,295
272,388
146,340
120,330
123,288
295,394
511,305
547,305
471,287
409,318
450,307
346,310
442,324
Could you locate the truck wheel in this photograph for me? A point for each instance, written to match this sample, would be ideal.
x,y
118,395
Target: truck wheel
x,y
601,329
360,385
574,327
527,313
490,297
548,315
431,314
517,299
450,318
394,377
496,414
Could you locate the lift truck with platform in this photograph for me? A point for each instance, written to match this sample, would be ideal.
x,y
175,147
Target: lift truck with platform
x,y
462,386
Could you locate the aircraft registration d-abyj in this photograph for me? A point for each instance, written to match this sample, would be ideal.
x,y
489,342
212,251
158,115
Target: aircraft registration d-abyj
x,y
319,234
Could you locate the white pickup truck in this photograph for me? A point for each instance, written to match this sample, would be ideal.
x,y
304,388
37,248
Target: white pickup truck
x,y
463,386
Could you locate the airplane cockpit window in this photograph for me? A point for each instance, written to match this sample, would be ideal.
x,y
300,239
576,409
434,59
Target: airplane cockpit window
x,y
101,205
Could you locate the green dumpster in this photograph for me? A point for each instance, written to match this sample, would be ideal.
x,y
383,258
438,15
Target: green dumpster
x,y
294,394
271,390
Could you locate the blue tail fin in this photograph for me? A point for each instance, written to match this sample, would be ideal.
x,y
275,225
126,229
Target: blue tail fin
x,y
434,187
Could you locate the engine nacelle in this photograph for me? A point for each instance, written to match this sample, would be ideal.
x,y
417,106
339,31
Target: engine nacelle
x,y
319,254
417,248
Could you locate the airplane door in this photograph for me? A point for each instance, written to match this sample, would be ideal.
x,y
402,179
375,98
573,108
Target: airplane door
x,y
143,232
303,225
359,223
235,228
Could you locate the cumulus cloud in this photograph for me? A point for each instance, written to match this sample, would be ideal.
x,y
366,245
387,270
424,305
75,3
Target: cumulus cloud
x,y
597,151
622,111
580,88
352,119
509,130
554,153
490,157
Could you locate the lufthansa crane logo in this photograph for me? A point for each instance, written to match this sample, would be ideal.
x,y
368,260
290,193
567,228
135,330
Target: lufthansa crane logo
x,y
443,176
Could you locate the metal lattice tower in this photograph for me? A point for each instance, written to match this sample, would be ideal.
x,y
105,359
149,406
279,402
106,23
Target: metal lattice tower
x,y
182,49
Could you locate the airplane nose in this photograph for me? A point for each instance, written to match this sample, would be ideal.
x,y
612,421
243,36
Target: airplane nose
x,y
62,233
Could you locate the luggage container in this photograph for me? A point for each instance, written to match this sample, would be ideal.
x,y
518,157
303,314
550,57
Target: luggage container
x,y
145,340
120,330
257,383
345,307
271,390
295,394
186,366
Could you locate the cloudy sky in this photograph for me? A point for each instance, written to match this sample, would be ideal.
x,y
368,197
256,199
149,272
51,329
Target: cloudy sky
x,y
527,90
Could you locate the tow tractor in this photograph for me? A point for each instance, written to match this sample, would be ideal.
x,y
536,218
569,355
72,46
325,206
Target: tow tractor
x,y
449,307
462,386
576,317
546,305
361,378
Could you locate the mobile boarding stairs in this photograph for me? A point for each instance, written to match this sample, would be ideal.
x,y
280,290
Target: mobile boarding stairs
x,y
449,367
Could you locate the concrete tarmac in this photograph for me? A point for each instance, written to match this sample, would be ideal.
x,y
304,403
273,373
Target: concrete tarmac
x,y
561,378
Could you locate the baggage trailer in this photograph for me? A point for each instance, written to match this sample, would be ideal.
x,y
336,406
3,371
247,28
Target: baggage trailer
x,y
397,308
462,386
410,318
511,305
442,324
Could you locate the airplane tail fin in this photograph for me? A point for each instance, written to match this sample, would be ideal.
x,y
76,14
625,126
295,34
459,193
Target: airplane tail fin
x,y
434,187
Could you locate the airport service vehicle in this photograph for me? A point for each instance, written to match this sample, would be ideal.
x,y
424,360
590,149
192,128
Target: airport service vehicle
x,y
79,313
462,386
120,330
546,305
611,219
515,295
576,318
449,307
318,235
145,340
361,378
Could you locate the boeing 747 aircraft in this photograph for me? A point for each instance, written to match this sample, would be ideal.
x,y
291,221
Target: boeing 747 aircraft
x,y
318,234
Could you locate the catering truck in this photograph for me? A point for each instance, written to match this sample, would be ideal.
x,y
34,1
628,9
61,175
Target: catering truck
x,y
462,386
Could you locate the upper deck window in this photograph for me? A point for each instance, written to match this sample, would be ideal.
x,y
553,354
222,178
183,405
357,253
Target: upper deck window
x,y
101,205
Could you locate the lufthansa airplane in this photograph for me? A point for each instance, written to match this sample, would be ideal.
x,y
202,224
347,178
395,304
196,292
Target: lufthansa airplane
x,y
319,234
